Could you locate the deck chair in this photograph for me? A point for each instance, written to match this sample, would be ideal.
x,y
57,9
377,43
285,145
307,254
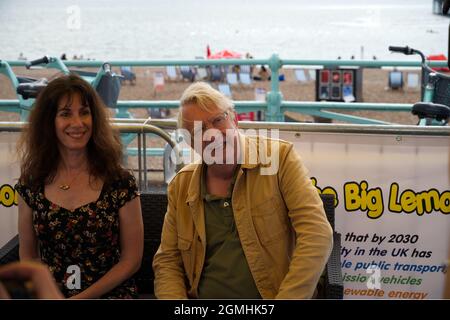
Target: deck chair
x,y
202,74
300,75
158,81
245,74
127,74
412,80
187,73
395,80
232,78
245,69
260,94
312,74
171,72
216,73
225,89
245,78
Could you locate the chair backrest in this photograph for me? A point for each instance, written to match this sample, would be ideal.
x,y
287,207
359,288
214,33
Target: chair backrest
x,y
232,78
10,251
395,79
154,206
127,73
187,73
300,75
312,74
332,287
413,80
328,205
171,72
225,89
245,78
216,73
202,73
158,81
245,68
260,94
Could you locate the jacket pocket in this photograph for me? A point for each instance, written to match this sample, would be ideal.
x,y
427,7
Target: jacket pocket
x,y
270,220
185,248
184,244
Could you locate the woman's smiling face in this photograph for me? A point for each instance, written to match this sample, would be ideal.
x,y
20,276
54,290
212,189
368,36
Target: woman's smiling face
x,y
73,123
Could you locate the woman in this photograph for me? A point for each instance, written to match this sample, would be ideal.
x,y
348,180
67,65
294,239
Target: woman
x,y
79,209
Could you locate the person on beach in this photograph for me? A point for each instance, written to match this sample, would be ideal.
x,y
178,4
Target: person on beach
x,y
263,74
244,228
79,209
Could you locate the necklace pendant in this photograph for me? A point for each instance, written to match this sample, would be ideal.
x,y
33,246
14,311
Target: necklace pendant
x,y
64,187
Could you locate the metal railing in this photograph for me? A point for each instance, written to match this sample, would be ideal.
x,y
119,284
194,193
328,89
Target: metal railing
x,y
274,106
169,124
142,127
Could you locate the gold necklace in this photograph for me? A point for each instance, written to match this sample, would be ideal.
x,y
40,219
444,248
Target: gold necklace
x,y
66,187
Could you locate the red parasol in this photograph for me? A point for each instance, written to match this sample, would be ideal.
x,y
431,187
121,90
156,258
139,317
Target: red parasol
x,y
225,54
438,57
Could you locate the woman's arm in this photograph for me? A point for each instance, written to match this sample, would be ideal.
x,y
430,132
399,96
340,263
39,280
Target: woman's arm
x,y
27,238
131,247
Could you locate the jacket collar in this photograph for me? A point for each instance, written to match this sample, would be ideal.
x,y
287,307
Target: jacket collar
x,y
194,185
249,151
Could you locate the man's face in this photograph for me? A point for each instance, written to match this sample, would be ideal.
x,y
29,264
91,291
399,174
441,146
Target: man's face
x,y
213,132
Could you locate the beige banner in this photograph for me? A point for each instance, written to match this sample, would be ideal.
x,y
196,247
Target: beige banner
x,y
393,209
393,205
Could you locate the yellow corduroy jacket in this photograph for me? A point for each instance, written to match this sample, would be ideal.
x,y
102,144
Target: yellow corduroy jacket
x,y
284,232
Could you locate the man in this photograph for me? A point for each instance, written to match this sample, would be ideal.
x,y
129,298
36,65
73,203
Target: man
x,y
238,226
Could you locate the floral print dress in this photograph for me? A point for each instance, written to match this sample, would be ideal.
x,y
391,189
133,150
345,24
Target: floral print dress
x,y
87,237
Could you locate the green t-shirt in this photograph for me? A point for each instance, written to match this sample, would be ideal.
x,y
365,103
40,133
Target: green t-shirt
x,y
226,274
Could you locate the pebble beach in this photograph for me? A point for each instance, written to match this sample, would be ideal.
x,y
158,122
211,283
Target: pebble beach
x,y
375,90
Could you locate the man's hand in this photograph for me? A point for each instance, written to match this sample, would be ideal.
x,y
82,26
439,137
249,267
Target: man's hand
x,y
42,282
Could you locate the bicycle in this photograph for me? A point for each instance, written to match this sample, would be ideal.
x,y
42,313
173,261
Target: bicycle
x,y
106,83
434,109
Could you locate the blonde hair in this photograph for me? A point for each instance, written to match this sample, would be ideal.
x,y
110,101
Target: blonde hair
x,y
206,98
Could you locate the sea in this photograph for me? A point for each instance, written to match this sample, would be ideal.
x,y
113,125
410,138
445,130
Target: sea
x,y
182,29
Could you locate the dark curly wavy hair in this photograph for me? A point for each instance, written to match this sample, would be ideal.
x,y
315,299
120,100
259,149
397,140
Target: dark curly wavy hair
x,y
38,144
